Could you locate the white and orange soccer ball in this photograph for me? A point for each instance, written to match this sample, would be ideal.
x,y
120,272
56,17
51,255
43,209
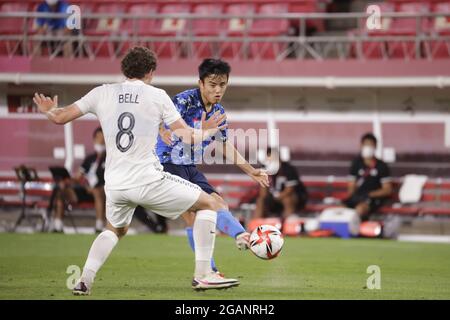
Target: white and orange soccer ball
x,y
266,242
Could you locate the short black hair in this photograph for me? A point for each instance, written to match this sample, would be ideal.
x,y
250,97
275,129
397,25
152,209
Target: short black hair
x,y
213,67
97,130
138,62
369,136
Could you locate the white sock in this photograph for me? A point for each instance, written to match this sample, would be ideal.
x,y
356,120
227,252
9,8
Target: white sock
x,y
99,224
99,252
204,238
58,224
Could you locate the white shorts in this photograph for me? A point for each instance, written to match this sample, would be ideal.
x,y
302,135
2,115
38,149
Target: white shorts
x,y
169,197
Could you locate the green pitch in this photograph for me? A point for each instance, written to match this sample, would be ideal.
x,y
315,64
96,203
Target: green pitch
x,y
160,267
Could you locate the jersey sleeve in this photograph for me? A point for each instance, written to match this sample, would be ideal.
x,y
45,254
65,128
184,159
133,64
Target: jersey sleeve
x,y
353,173
88,104
170,112
385,173
84,168
291,177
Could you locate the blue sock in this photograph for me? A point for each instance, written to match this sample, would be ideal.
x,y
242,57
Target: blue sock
x,y
228,224
190,235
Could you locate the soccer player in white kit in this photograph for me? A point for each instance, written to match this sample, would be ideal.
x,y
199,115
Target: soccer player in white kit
x,y
130,114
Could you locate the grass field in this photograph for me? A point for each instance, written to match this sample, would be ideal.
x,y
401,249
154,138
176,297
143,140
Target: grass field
x,y
160,267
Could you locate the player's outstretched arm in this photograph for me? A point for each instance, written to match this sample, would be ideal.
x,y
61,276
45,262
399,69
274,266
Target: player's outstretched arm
x,y
49,107
232,154
192,135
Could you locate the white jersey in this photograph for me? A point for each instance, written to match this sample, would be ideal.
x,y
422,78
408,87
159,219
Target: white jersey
x,y
130,114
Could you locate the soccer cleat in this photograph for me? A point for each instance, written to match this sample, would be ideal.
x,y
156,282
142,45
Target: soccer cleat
x,y
81,289
243,241
213,281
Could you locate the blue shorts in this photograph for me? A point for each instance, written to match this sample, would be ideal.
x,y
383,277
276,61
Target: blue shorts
x,y
190,173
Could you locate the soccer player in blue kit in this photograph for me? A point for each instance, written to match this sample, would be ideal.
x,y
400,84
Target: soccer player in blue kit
x,y
180,159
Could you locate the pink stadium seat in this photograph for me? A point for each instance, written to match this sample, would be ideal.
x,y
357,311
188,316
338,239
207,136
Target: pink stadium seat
x,y
407,27
104,27
307,7
236,27
376,49
206,27
269,28
139,27
170,27
441,27
11,26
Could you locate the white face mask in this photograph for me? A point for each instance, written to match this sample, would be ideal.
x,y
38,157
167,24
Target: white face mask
x,y
51,2
99,148
367,152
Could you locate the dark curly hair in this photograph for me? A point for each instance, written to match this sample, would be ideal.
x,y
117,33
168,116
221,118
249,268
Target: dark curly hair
x,y
213,67
138,62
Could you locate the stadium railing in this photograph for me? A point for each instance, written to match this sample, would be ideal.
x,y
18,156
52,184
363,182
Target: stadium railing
x,y
268,39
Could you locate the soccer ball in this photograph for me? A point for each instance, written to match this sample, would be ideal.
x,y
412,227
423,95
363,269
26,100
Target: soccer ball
x,y
266,242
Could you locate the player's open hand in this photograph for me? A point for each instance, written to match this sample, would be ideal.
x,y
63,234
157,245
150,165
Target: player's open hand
x,y
44,103
214,121
260,176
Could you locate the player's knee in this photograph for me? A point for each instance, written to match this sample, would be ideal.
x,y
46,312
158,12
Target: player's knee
x,y
212,204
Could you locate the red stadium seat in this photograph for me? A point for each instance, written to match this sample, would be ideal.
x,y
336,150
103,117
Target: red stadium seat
x,y
170,27
307,7
269,28
139,27
407,27
104,27
236,27
206,27
441,27
11,26
374,49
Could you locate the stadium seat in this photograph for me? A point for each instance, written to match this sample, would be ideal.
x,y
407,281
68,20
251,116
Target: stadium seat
x,y
440,27
170,27
263,28
407,27
11,27
307,7
138,27
236,27
373,49
104,27
206,27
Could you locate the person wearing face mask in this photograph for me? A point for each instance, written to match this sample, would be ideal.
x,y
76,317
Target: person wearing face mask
x,y
53,26
287,194
370,182
88,186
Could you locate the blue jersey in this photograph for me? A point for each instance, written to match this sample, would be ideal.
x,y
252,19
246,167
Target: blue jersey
x,y
190,106
52,23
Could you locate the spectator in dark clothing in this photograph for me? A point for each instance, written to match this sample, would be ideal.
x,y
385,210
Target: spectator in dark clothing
x,y
286,195
88,186
54,26
369,183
